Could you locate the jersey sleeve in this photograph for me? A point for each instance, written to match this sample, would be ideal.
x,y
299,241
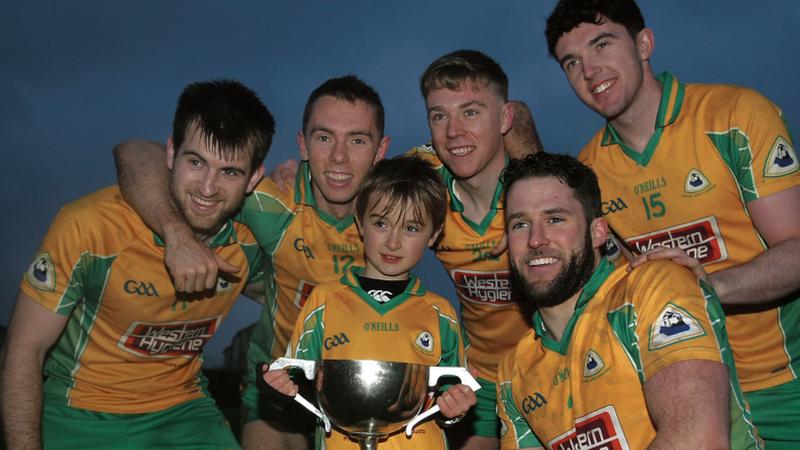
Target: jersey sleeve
x,y
266,212
308,333
767,159
515,433
59,274
452,345
676,321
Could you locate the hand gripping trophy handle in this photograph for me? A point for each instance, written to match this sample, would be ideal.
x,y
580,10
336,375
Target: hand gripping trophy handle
x,y
308,367
433,379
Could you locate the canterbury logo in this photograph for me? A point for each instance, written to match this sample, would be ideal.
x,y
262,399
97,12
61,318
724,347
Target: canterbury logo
x,y
140,288
612,206
335,341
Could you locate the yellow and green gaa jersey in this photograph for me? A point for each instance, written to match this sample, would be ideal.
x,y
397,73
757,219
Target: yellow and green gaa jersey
x,y
342,321
715,148
492,320
587,391
129,346
303,247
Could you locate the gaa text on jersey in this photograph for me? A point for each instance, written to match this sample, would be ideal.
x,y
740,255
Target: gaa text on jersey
x,y
300,246
140,288
612,206
335,341
531,402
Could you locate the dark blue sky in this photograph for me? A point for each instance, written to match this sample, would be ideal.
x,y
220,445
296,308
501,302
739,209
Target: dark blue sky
x,y
78,77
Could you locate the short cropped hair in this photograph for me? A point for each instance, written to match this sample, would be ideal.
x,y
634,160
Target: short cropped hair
x,y
580,178
229,116
453,69
406,183
568,14
349,88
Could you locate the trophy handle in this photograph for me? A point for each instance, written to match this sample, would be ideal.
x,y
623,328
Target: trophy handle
x,y
434,374
308,367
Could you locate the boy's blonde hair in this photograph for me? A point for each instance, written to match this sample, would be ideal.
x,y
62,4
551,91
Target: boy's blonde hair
x,y
406,183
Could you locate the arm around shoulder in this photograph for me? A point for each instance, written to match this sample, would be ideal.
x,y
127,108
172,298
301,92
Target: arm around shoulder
x,y
32,331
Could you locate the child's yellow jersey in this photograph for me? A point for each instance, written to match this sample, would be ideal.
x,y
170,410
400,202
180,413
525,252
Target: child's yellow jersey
x,y
304,247
341,321
587,391
715,148
492,320
129,346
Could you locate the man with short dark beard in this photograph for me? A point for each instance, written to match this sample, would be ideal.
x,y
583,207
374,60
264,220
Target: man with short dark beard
x,y
624,359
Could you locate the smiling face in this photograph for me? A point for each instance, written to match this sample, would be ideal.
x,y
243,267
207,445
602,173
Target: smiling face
x,y
341,142
206,188
394,240
552,249
604,65
467,127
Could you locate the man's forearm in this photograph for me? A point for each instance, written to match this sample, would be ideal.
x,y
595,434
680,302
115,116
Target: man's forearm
x,y
768,277
143,180
21,405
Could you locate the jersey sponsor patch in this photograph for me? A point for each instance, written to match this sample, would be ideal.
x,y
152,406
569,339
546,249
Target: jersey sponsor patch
x,y
488,288
304,289
424,342
700,239
782,159
695,182
593,365
168,340
42,274
674,324
595,431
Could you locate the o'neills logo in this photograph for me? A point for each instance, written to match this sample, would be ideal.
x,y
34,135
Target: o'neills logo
x,y
168,340
490,288
700,239
598,430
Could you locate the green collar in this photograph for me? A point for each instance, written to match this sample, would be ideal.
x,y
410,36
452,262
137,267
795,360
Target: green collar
x,y
414,287
599,276
457,206
225,236
304,194
672,95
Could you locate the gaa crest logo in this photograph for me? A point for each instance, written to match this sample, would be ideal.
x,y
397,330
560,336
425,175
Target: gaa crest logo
x,y
424,341
42,274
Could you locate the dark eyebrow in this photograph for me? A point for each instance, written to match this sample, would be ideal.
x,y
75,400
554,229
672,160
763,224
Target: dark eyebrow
x,y
195,154
592,42
349,133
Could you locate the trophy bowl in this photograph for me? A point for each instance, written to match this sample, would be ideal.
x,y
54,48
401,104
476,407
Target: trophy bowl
x,y
368,400
364,397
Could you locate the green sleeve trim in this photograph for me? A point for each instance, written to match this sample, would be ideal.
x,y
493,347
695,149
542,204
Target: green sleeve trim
x,y
309,343
522,431
734,149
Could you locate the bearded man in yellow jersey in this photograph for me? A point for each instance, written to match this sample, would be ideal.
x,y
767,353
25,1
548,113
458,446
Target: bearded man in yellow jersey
x,y
97,317
703,174
616,359
306,232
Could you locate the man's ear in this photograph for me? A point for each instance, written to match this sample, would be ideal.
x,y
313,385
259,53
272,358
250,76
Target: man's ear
x,y
645,44
435,237
506,118
255,178
599,232
301,144
170,153
359,226
383,147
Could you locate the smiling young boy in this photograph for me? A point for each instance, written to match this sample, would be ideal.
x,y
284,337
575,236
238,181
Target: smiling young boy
x,y
382,311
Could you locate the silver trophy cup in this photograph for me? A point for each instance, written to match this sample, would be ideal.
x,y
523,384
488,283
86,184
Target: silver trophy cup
x,y
369,400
